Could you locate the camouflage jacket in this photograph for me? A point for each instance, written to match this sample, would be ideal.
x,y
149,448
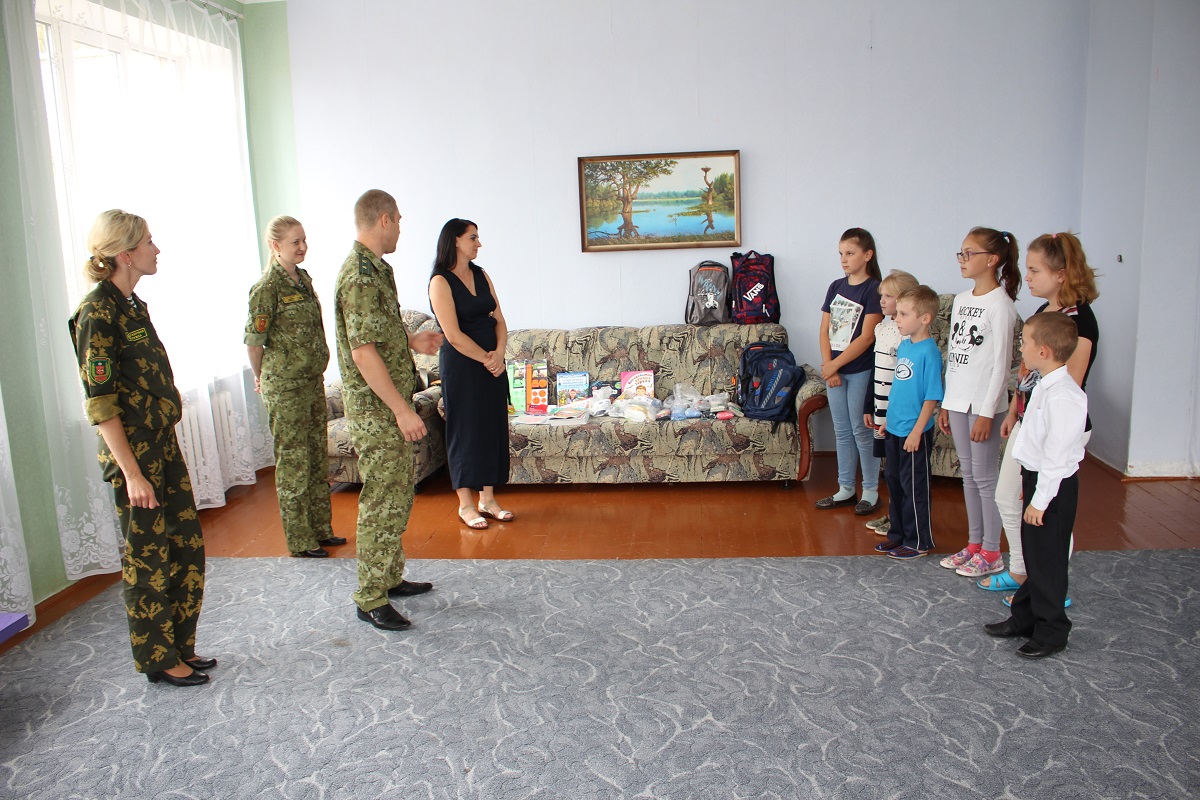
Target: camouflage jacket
x,y
122,363
285,319
367,310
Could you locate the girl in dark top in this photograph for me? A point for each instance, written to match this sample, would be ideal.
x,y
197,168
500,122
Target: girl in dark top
x,y
1056,269
474,383
850,314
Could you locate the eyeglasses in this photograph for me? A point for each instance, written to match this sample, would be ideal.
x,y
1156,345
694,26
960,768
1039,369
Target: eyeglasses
x,y
967,255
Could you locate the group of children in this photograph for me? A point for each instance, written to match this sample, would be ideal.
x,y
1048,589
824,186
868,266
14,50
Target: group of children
x,y
886,392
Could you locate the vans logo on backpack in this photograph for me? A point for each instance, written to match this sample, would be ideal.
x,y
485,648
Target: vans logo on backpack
x,y
753,293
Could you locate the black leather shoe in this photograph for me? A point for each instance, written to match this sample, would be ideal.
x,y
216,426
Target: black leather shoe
x,y
385,618
316,552
332,541
195,679
200,663
1035,649
409,588
1005,630
863,508
829,502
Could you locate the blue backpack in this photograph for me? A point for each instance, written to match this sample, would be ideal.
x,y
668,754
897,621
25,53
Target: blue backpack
x,y
768,380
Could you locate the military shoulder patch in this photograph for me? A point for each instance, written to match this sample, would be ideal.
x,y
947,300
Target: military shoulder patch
x,y
261,321
136,336
364,264
99,370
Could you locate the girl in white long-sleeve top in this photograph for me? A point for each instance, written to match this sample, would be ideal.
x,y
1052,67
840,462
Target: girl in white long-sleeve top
x,y
978,362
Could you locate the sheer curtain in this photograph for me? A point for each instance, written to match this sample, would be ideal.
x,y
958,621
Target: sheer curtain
x,y
16,591
87,523
146,113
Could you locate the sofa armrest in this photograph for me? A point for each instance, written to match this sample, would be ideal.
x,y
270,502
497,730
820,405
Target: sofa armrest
x,y
427,399
810,399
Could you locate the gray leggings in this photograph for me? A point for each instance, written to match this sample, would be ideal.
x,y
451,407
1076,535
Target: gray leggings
x,y
979,463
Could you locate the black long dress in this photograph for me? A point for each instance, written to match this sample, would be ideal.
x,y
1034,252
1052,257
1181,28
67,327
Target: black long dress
x,y
476,401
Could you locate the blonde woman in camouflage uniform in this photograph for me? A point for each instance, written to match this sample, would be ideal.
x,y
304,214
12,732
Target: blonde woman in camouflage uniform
x,y
378,378
132,399
285,338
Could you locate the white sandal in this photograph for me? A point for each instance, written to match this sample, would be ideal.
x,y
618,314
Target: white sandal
x,y
500,515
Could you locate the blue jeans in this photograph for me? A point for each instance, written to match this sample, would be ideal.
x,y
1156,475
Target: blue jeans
x,y
853,436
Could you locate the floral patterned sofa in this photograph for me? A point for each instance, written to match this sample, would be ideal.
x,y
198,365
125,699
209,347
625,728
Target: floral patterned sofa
x,y
430,451
614,450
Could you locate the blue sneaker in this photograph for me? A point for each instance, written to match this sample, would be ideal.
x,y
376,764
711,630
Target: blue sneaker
x,y
887,546
903,553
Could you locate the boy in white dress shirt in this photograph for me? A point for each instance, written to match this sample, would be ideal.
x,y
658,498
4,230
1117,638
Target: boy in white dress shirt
x,y
1049,448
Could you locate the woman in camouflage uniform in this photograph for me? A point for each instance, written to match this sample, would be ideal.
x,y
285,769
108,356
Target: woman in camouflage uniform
x,y
285,337
132,399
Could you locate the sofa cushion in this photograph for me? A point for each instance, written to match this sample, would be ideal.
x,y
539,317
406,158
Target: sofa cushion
x,y
427,366
602,437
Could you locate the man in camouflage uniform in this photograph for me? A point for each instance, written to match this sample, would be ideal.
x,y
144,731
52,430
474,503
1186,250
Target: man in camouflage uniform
x,y
378,378
285,337
129,382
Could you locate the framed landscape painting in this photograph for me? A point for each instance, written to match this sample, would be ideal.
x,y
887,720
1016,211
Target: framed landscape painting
x,y
660,200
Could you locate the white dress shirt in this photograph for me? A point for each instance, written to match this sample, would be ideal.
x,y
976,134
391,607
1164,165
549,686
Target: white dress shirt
x,y
1050,441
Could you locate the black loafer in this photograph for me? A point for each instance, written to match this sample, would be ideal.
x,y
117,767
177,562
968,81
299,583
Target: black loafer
x,y
385,618
316,552
1035,649
863,508
195,679
409,588
201,663
332,541
1004,630
829,502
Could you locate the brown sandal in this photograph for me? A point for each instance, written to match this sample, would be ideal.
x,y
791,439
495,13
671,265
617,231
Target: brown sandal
x,y
477,522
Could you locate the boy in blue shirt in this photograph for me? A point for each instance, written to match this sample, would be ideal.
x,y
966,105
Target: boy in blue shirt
x,y
916,391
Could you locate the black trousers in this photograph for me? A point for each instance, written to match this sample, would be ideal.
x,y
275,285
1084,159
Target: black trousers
x,y
1037,607
907,476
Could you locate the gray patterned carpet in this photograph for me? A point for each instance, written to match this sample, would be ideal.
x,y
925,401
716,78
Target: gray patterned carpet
x,y
743,678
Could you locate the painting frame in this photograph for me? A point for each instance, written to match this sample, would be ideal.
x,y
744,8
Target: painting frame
x,y
683,210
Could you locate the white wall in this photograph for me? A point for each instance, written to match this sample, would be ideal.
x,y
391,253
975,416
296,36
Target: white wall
x,y
916,121
1142,201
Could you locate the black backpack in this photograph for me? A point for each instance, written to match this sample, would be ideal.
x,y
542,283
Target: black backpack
x,y
754,297
768,380
708,294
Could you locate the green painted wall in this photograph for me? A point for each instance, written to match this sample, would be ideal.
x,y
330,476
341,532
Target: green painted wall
x,y
270,123
19,367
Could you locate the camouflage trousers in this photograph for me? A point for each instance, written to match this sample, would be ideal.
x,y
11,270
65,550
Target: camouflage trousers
x,y
385,462
163,561
298,424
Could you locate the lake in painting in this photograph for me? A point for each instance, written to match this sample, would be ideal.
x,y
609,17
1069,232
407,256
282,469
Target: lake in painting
x,y
667,217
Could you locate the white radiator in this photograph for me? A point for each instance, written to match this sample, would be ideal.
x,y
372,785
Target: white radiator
x,y
226,431
190,440
195,446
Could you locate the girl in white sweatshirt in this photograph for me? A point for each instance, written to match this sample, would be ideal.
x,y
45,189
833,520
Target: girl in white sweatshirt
x,y
979,356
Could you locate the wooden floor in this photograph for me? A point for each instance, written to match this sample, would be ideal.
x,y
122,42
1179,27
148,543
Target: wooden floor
x,y
697,520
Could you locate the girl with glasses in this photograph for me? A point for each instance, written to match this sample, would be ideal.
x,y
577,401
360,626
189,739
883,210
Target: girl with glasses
x,y
978,363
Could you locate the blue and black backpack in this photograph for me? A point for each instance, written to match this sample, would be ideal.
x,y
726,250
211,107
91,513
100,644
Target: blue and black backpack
x,y
768,380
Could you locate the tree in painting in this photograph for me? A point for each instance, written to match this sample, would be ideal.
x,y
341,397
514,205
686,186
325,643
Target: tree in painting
x,y
627,177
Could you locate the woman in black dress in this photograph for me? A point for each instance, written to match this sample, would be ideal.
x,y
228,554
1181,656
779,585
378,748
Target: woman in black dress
x,y
474,383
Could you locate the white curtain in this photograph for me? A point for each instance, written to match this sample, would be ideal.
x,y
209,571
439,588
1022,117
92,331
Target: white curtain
x,y
146,113
87,522
134,105
16,591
